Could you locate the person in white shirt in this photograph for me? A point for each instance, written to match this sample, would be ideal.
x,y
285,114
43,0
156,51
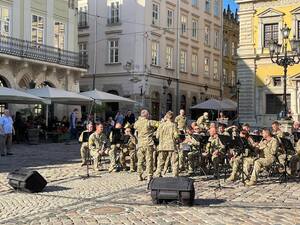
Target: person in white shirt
x,y
8,129
2,143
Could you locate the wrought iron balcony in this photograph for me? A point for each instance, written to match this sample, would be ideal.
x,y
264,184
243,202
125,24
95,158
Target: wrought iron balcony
x,y
27,49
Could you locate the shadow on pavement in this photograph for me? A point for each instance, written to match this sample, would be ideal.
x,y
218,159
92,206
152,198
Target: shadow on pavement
x,y
54,188
208,202
42,155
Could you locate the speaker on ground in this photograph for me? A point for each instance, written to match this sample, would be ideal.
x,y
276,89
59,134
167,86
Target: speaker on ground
x,y
26,180
166,189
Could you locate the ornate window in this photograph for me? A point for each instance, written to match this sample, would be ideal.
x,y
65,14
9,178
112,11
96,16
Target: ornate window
x,y
270,33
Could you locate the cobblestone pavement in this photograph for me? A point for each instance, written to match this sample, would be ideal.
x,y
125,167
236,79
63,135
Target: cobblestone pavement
x,y
119,198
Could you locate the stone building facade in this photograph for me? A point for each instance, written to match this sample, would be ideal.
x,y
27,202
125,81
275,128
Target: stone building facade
x,y
261,92
38,46
231,31
137,51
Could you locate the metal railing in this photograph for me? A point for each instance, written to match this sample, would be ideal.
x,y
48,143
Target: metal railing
x,y
31,50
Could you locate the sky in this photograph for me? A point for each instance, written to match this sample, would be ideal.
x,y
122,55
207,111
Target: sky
x,y
232,4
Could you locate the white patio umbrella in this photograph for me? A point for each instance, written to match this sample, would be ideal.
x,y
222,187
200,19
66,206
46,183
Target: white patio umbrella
x,y
59,96
105,97
10,95
215,105
230,102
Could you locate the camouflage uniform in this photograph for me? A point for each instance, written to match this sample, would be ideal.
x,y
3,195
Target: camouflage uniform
x,y
268,150
181,123
248,157
84,149
145,129
97,142
114,149
203,122
129,149
192,155
167,134
216,150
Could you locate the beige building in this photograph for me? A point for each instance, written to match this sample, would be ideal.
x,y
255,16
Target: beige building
x,y
231,31
138,54
38,46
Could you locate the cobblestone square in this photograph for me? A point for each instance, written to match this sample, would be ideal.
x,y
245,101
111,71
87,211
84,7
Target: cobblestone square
x,y
119,198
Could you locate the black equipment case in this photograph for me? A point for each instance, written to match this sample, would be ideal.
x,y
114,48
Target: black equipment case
x,y
180,189
26,180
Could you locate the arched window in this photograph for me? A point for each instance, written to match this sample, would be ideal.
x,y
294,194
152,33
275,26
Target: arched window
x,y
2,105
194,100
169,102
183,102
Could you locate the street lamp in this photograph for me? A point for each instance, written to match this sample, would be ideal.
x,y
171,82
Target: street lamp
x,y
287,59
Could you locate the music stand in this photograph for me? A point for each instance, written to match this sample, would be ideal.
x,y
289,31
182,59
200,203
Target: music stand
x,y
227,142
288,146
242,144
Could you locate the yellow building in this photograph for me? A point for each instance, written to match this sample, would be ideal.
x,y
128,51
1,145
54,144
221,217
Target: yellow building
x,y
261,92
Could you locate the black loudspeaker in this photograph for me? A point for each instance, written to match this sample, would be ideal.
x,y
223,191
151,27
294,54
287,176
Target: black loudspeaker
x,y
166,189
26,180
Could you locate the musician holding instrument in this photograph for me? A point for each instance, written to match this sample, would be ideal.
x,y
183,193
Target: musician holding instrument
x,y
248,154
84,140
116,138
215,150
98,145
267,150
203,121
192,141
129,148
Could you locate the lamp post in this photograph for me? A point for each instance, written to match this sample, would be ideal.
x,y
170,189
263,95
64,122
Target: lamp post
x,y
288,58
238,86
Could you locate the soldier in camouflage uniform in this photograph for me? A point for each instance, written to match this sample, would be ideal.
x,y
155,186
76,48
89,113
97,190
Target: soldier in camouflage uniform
x,y
215,149
203,121
84,150
129,148
222,130
144,132
267,150
116,139
181,122
247,154
98,143
277,133
194,149
167,133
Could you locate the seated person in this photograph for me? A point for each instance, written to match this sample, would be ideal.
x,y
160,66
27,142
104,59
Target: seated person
x,y
267,150
98,143
84,140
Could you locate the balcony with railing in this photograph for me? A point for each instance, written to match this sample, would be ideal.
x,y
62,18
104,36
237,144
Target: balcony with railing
x,y
31,50
83,20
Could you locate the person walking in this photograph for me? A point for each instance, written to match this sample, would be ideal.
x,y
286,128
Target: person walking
x,y
8,130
